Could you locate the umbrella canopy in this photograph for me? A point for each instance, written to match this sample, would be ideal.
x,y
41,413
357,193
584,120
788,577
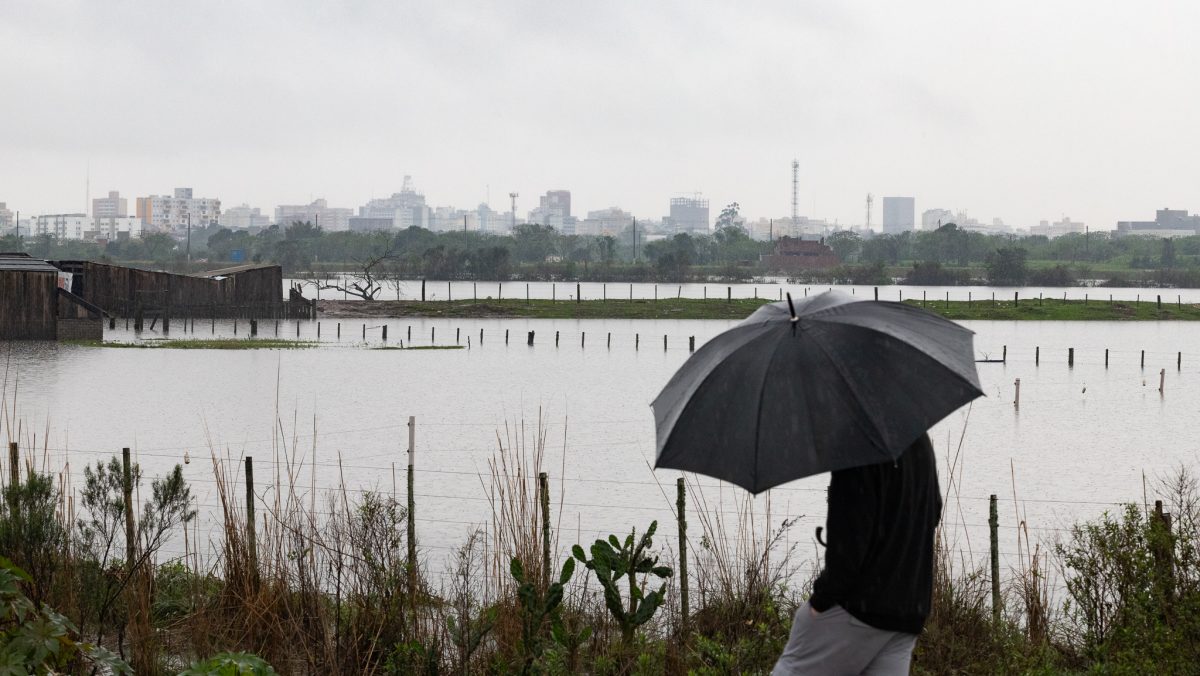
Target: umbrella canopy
x,y
835,382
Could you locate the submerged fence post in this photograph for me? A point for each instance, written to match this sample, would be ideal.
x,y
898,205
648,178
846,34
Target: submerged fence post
x,y
578,295
609,343
681,517
1143,359
1106,357
691,343
1037,356
251,539
1162,380
1017,394
529,339
1070,356
412,509
544,499
994,527
1004,355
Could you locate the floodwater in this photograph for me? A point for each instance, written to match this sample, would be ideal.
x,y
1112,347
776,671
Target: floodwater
x,y
1084,437
772,288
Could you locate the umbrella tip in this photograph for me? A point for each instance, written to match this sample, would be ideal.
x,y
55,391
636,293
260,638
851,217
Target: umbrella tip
x,y
792,308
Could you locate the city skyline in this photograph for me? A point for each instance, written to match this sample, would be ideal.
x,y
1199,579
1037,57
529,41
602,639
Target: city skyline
x,y
936,100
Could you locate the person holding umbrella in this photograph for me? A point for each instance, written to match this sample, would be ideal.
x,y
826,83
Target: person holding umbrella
x,y
841,385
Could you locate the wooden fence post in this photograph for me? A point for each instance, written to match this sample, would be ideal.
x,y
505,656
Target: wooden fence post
x,y
681,517
14,479
412,509
1106,357
1070,357
1162,380
691,343
544,499
251,536
1017,394
529,339
1037,356
994,527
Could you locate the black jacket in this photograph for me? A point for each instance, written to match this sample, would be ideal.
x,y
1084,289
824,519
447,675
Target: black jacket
x,y
879,558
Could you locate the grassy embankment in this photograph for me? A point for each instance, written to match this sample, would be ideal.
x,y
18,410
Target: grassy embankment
x,y
685,308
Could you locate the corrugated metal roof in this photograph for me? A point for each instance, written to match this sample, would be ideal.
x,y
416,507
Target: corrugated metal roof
x,y
24,263
234,270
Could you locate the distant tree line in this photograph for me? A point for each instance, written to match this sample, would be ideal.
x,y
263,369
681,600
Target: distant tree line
x,y
946,256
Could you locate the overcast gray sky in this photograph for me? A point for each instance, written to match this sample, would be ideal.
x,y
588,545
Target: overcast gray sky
x,y
1023,109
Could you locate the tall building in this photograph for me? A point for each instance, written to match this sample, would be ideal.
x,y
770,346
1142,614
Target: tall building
x,y
172,214
1166,223
445,219
559,200
932,219
62,226
330,219
491,220
244,217
688,214
6,217
109,228
899,215
112,206
611,221
406,208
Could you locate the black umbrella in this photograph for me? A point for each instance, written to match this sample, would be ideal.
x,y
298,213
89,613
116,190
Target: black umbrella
x,y
834,382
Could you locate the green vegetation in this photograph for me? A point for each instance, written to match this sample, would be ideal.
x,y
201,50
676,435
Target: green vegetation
x,y
202,344
948,255
330,588
737,309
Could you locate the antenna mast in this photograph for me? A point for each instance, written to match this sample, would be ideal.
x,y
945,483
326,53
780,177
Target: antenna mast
x,y
870,200
795,194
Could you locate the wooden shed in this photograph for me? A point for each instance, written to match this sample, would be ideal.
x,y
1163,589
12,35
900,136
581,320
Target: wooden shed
x,y
28,298
35,306
242,291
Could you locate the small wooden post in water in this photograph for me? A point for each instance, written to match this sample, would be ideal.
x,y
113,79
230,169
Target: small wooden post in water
x,y
691,343
253,327
1070,356
529,339
544,499
432,335
1143,359
1179,361
681,518
877,293
578,295
297,329
582,339
385,333
994,527
422,291
1004,355
481,336
729,294
457,335
664,342
609,343
339,330
556,339
251,546
1016,299
1162,380
1037,356
637,339
506,336
318,330
1017,394
412,509
1106,357
1159,301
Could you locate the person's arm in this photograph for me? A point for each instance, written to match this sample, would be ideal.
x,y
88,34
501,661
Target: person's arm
x,y
850,527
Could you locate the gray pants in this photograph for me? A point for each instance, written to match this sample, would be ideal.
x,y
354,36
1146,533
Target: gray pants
x,y
835,642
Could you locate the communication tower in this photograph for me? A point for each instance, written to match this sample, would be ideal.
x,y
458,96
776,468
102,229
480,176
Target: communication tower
x,y
795,193
870,201
513,196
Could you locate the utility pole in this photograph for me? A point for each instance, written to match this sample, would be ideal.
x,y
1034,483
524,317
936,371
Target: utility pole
x,y
635,240
189,236
795,194
870,200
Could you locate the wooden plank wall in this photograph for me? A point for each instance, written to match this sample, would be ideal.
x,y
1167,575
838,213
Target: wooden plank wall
x,y
28,305
121,290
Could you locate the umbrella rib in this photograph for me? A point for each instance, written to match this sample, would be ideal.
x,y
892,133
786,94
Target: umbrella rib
x,y
762,389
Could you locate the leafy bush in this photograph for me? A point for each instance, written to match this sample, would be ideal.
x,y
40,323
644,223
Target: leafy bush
x,y
231,664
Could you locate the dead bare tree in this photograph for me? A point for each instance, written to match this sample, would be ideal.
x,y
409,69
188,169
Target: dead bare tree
x,y
368,283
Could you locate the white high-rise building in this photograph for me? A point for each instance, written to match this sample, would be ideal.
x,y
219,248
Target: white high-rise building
x,y
173,214
899,215
112,206
406,208
319,213
6,217
84,227
611,221
932,219
244,217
